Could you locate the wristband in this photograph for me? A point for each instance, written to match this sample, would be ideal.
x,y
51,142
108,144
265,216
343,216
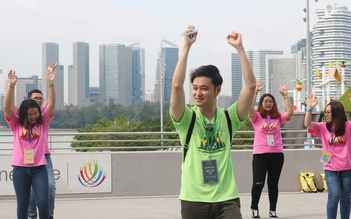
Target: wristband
x,y
51,82
286,97
12,86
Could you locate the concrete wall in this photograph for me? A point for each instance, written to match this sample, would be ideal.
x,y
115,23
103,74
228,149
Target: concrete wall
x,y
158,173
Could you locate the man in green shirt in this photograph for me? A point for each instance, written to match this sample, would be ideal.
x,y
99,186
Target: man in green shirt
x,y
208,187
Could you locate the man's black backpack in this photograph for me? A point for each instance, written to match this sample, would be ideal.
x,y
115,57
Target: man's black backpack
x,y
191,127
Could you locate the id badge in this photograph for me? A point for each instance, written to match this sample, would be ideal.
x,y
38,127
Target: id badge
x,y
28,156
325,158
270,140
210,171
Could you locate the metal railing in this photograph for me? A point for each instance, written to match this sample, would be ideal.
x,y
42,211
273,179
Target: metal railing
x,y
111,141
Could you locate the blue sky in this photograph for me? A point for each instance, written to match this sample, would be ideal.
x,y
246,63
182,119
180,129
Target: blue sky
x,y
269,24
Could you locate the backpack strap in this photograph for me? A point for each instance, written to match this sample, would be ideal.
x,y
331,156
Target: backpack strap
x,y
229,124
190,132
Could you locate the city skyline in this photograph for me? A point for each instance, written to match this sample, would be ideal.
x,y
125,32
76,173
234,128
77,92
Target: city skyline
x,y
269,25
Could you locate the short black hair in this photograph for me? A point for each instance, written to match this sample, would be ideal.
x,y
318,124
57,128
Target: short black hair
x,y
209,71
29,95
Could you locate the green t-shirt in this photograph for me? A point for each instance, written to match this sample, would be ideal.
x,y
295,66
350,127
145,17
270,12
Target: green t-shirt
x,y
193,187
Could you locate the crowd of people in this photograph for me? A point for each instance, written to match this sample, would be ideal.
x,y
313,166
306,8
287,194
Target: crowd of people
x,y
208,187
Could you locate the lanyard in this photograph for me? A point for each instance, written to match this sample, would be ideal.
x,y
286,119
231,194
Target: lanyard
x,y
209,131
332,138
268,122
30,134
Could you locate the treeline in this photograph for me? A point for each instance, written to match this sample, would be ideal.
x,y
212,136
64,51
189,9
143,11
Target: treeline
x,y
118,118
73,117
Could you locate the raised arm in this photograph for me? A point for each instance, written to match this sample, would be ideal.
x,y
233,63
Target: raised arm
x,y
288,106
9,100
259,87
246,96
312,102
50,77
178,95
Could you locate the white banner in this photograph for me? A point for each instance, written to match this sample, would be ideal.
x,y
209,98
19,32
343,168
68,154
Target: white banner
x,y
73,172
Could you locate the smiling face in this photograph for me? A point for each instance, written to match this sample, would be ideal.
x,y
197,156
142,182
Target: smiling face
x,y
32,115
203,92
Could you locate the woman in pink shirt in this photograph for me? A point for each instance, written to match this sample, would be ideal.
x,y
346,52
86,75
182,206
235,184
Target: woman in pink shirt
x,y
29,127
268,154
336,154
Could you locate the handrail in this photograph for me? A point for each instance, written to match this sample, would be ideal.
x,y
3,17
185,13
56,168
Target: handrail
x,y
291,139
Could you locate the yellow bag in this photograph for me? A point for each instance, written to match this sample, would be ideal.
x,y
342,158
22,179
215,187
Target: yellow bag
x,y
325,187
307,182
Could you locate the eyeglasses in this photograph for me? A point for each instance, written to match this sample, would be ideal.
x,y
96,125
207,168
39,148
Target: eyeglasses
x,y
38,99
268,101
327,112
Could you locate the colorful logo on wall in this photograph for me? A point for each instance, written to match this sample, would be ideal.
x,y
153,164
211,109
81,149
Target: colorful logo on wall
x,y
91,175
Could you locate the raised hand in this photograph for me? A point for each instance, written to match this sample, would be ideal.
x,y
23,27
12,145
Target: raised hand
x,y
234,39
284,89
12,77
259,85
312,100
50,72
190,38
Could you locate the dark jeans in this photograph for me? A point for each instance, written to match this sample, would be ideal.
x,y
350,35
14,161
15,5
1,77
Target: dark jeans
x,y
271,163
220,210
32,210
23,179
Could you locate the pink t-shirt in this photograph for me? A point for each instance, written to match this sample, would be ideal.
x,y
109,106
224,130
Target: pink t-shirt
x,y
339,146
29,139
267,129
47,150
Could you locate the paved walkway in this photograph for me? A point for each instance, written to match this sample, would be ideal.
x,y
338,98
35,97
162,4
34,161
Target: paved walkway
x,y
290,206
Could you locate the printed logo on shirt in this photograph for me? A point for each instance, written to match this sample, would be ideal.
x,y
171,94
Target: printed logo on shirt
x,y
271,127
336,141
26,134
217,145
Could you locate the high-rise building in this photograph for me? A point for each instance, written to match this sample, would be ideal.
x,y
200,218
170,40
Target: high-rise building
x,y
94,95
24,85
166,63
138,68
78,76
50,54
280,69
257,60
115,74
224,101
331,43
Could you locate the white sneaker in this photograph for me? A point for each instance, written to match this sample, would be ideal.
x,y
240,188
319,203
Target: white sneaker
x,y
255,213
273,214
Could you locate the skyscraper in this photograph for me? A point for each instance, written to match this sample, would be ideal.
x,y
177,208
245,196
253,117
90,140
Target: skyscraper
x,y
115,74
257,60
331,43
78,76
138,68
280,69
166,64
50,54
